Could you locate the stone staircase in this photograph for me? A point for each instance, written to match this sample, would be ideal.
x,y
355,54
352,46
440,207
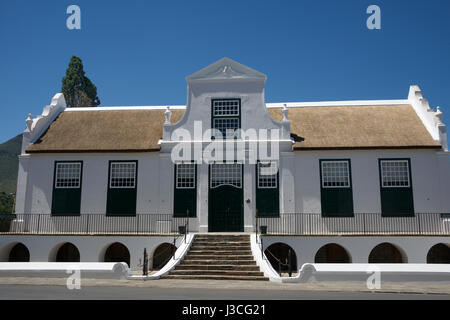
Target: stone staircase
x,y
218,257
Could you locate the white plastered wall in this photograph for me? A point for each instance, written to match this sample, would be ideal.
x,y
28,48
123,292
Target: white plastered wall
x,y
428,167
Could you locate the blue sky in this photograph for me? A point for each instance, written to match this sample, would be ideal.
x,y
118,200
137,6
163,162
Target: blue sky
x,y
139,52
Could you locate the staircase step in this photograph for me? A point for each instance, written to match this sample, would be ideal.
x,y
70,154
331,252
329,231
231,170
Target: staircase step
x,y
222,238
221,252
222,242
214,277
232,245
236,267
218,257
249,262
217,272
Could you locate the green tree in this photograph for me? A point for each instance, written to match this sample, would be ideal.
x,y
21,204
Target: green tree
x,y
78,90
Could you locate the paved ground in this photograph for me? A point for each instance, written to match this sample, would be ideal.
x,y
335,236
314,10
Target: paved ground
x,y
41,288
153,293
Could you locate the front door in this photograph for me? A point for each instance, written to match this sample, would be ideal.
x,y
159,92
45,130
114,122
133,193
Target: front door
x,y
226,207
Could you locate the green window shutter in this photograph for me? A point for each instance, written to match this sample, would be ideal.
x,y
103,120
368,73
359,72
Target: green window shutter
x,y
267,193
185,190
396,187
122,188
67,182
336,191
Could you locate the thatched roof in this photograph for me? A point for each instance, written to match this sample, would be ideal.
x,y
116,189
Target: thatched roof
x,y
346,127
104,131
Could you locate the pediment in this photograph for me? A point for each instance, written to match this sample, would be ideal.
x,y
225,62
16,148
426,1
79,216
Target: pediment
x,y
226,69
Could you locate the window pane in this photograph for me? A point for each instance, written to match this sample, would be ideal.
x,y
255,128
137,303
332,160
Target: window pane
x,y
226,107
394,173
185,178
335,174
68,175
123,175
226,174
227,126
266,180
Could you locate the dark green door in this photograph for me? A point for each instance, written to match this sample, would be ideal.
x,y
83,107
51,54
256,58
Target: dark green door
x,y
226,209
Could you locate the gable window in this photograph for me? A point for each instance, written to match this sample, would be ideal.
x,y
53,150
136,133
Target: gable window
x,y
185,191
336,188
396,187
267,190
122,188
66,198
226,116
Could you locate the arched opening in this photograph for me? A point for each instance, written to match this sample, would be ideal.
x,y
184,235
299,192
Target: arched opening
x,y
278,256
332,253
386,253
68,253
19,253
439,253
117,252
162,255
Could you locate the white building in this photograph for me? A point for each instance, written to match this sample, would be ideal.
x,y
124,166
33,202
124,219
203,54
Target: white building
x,y
353,175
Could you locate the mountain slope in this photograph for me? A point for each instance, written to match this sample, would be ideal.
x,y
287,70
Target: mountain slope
x,y
9,163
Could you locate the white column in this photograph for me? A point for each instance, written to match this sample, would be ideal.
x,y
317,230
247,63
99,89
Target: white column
x,y
165,184
249,194
443,163
22,185
202,197
287,182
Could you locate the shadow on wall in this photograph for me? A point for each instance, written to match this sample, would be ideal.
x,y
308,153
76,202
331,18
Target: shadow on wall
x,y
117,252
439,253
278,256
387,253
332,253
162,254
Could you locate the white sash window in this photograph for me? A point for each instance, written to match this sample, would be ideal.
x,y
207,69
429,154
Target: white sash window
x,y
395,174
226,108
335,174
123,175
267,175
226,116
68,175
185,178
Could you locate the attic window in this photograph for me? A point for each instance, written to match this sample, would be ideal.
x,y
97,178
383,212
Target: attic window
x,y
226,107
225,117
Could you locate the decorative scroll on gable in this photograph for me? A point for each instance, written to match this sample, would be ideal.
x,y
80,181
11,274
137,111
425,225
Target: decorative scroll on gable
x,y
36,126
430,118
